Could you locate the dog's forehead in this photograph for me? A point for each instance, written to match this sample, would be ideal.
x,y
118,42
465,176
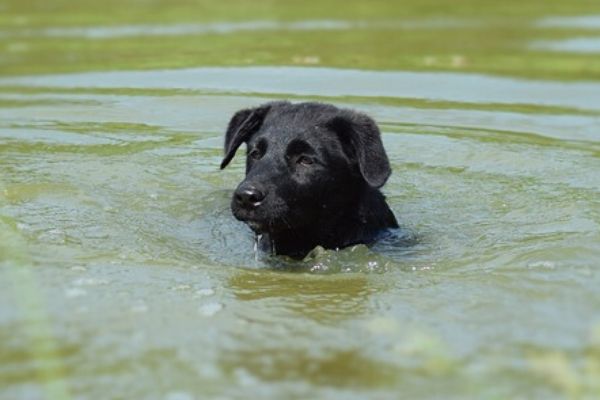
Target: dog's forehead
x,y
308,124
280,136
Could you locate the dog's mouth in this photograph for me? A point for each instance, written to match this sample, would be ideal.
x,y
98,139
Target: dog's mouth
x,y
261,226
258,221
265,219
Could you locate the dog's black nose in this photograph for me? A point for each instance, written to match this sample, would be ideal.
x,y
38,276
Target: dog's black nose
x,y
248,196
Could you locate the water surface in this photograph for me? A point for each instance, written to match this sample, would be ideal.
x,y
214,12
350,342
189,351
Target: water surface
x,y
124,275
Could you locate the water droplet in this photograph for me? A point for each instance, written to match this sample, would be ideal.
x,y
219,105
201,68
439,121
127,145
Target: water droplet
x,y
319,267
372,265
257,239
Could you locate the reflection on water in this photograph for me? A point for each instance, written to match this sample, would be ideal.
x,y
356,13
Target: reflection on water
x,y
349,369
582,21
575,45
324,299
109,32
453,87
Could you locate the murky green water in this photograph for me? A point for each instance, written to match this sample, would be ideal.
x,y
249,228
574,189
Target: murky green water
x,y
123,274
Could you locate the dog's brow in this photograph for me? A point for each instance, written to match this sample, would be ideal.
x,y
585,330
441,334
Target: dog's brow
x,y
298,146
261,144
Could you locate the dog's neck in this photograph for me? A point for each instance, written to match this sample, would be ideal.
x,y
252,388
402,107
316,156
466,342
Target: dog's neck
x,y
335,228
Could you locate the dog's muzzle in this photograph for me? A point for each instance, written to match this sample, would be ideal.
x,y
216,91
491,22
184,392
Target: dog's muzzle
x,y
248,197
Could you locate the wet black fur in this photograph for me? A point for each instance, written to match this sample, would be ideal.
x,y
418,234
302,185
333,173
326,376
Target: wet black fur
x,y
319,169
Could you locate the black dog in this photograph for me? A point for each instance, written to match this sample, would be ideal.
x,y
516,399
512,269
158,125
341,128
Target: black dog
x,y
312,176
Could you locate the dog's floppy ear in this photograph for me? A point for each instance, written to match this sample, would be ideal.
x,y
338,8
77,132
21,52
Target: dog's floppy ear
x,y
362,134
242,126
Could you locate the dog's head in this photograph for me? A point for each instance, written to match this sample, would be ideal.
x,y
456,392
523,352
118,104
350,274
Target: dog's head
x,y
304,161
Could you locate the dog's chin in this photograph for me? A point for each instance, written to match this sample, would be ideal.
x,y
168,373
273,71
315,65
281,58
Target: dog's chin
x,y
258,227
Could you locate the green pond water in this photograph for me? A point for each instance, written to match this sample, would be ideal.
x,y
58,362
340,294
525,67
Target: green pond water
x,y
123,274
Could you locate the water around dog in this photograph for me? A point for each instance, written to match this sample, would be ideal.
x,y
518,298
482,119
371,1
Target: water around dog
x,y
124,275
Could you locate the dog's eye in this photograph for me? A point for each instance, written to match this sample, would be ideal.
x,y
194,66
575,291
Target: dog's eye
x,y
304,160
255,154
